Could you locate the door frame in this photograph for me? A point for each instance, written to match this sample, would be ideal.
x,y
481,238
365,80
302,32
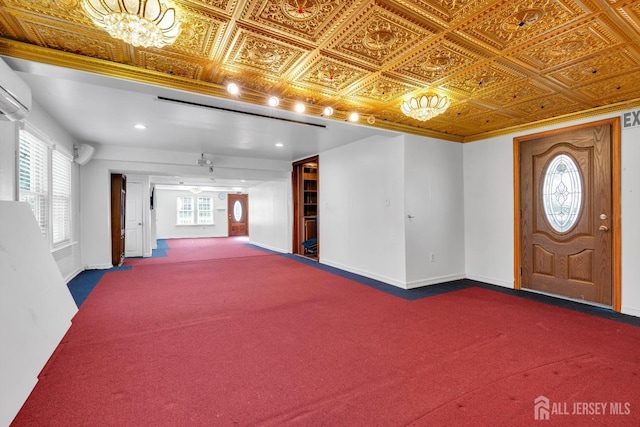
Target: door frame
x,y
245,212
616,247
297,222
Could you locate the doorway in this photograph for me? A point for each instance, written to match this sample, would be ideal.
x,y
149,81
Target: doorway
x,y
305,207
567,225
238,213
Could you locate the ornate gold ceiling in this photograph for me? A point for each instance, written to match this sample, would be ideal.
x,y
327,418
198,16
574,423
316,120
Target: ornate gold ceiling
x,y
503,63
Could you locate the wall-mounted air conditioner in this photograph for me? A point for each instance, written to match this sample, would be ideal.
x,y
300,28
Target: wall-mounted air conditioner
x,y
15,95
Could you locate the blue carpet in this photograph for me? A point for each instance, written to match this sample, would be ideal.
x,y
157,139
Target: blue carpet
x,y
82,285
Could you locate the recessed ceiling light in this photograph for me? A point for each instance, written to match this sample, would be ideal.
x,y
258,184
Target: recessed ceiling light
x,y
233,89
328,111
279,144
354,117
300,107
140,126
274,101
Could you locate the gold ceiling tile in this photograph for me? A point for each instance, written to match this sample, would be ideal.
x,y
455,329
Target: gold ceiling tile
x,y
543,107
224,6
169,64
262,53
200,32
517,22
66,10
42,33
490,76
515,93
596,68
309,19
446,11
630,12
379,36
442,59
584,40
620,88
330,74
384,89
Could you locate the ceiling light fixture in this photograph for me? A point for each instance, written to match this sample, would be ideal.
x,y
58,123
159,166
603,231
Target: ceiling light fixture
x,y
196,190
425,107
300,107
354,117
139,126
233,89
146,23
274,101
328,111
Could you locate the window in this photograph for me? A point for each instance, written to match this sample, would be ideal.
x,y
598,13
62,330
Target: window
x,y
60,198
562,193
185,210
44,179
190,214
205,210
33,171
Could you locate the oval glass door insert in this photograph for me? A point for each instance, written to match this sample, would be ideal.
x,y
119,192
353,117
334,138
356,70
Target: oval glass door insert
x,y
562,193
237,211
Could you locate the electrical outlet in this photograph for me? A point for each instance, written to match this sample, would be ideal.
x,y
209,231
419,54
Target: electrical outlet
x,y
432,257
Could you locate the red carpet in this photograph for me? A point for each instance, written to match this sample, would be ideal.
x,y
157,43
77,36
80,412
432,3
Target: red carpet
x,y
267,341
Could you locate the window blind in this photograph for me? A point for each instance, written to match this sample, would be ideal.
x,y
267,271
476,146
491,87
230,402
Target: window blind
x,y
60,198
32,177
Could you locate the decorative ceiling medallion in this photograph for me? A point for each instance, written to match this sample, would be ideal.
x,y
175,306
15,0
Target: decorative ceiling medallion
x,y
521,19
300,10
442,59
383,90
264,54
566,47
199,33
379,39
331,74
516,22
481,79
381,36
597,68
305,18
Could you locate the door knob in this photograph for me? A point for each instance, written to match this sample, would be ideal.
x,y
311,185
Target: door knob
x,y
603,228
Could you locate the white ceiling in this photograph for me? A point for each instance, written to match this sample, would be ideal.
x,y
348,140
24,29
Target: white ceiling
x,y
96,109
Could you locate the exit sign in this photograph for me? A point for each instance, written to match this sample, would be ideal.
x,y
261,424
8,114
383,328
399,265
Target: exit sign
x,y
631,119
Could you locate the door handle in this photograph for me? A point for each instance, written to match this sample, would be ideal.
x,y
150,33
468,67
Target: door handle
x,y
603,228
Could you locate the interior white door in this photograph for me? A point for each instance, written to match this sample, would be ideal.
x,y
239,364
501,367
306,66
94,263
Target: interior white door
x,y
133,225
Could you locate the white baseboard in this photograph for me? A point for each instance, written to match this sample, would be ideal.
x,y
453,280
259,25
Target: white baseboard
x,y
98,267
434,281
270,248
490,281
387,280
632,311
72,275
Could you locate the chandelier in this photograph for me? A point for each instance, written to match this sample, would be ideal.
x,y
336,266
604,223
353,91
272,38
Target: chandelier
x,y
425,107
146,23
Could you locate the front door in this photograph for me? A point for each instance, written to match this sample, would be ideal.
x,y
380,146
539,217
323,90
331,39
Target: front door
x,y
237,208
567,213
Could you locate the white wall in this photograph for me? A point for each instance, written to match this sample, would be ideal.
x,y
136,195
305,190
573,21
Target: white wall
x,y
434,196
630,200
361,217
35,306
8,145
270,215
488,210
166,216
488,186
